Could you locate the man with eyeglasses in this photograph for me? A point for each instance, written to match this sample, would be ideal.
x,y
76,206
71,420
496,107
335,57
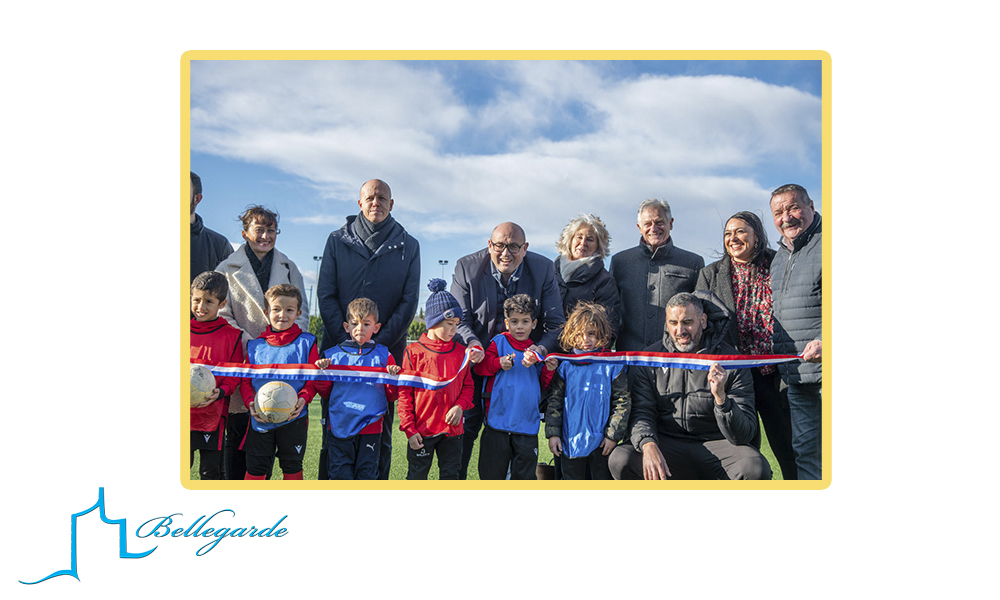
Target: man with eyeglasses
x,y
483,281
649,275
372,256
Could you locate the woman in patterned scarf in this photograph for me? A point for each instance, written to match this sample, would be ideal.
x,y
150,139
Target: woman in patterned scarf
x,y
742,280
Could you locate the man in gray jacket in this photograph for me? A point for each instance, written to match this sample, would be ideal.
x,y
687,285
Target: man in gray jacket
x,y
372,257
649,275
797,292
690,423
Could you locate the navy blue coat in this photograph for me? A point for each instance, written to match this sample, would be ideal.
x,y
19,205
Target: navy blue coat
x,y
390,277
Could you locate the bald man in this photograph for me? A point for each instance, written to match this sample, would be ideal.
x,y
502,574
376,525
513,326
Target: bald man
x,y
373,257
483,281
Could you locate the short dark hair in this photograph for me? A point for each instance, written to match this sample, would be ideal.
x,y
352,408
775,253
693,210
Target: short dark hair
x,y
758,231
586,314
259,214
361,308
283,289
519,303
213,282
195,183
683,299
800,192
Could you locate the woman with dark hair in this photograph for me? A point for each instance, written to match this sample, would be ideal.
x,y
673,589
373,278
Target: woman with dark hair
x,y
580,270
742,280
251,269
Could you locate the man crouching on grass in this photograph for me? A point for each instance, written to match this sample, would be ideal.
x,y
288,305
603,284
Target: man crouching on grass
x,y
688,423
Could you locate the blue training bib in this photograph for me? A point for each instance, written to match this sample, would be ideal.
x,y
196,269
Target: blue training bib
x,y
516,394
587,405
259,352
353,406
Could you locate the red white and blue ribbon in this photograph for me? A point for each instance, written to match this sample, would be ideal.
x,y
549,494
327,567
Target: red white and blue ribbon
x,y
342,373
358,374
667,360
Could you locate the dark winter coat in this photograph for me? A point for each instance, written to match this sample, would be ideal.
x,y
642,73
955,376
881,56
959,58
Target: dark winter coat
x,y
647,280
390,277
593,283
797,290
718,279
678,403
208,248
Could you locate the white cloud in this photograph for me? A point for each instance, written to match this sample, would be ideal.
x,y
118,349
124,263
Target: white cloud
x,y
701,143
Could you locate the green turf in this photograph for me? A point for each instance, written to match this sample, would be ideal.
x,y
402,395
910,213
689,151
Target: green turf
x,y
398,469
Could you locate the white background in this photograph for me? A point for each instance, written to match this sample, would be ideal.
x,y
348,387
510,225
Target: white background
x,y
91,138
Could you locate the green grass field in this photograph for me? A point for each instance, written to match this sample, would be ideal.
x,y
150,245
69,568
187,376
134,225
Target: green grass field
x,y
311,462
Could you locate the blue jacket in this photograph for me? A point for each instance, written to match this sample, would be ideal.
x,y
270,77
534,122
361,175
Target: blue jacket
x,y
390,277
353,406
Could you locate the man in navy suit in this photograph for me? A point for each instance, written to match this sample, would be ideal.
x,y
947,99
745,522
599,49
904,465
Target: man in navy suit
x,y
483,281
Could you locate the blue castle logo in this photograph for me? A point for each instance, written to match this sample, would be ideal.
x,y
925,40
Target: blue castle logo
x,y
122,536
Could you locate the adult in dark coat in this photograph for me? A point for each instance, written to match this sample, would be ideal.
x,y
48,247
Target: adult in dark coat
x,y
580,270
483,281
649,275
371,256
742,281
208,248
797,289
690,423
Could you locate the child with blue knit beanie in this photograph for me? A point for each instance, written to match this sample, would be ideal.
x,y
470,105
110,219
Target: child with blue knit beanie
x,y
432,419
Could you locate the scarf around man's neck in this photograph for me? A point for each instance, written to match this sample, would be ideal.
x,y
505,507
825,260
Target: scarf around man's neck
x,y
373,235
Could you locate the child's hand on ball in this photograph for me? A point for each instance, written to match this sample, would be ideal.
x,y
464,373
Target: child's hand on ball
x,y
298,409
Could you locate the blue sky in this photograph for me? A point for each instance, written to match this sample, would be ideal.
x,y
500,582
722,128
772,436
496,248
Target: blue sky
x,y
466,145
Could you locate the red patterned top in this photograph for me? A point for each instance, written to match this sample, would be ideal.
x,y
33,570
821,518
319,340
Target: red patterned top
x,y
752,290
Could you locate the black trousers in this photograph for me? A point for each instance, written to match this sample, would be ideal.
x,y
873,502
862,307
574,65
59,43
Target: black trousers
x,y
449,456
499,450
354,457
576,468
472,423
715,459
385,443
772,406
234,460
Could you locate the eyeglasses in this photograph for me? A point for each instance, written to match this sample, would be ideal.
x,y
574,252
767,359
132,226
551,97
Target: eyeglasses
x,y
512,248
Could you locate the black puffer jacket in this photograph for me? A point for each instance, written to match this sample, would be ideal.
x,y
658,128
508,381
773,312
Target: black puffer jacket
x,y
678,403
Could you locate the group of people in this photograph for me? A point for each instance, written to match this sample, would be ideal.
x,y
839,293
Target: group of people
x,y
508,311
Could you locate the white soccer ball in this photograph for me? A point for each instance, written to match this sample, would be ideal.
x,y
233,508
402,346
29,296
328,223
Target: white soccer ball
x,y
202,383
275,401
